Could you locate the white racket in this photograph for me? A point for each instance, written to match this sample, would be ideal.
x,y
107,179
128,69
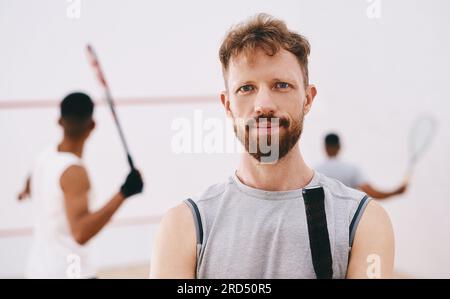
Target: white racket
x,y
420,137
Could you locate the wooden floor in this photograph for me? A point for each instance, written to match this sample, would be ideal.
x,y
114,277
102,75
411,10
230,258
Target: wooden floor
x,y
133,271
143,270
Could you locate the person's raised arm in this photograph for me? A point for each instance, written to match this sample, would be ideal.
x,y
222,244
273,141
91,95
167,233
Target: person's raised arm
x,y
174,249
26,192
83,223
372,254
379,194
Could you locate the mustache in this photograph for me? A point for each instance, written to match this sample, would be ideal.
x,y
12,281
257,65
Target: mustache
x,y
268,118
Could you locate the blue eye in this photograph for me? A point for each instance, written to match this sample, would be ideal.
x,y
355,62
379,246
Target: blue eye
x,y
245,88
282,85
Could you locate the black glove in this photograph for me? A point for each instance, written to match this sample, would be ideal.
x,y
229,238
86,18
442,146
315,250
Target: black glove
x,y
133,184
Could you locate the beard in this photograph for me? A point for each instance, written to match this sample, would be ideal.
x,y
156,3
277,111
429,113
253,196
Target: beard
x,y
269,146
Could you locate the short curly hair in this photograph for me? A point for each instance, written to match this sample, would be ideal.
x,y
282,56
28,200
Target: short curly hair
x,y
268,34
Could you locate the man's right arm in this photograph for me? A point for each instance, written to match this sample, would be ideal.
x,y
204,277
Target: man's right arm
x,y
359,180
373,251
379,194
85,224
174,249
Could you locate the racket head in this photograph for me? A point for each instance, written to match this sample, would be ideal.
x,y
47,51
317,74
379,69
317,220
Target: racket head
x,y
420,137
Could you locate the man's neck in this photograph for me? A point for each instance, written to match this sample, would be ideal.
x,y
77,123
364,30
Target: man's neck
x,y
69,145
289,173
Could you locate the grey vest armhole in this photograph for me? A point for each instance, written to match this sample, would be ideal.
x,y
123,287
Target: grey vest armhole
x,y
357,217
197,219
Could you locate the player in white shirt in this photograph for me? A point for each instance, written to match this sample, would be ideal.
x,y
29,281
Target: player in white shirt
x,y
350,174
59,188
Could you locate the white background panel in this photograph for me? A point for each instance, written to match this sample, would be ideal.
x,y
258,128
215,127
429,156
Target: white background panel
x,y
374,76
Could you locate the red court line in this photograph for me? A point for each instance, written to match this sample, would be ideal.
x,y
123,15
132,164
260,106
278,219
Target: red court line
x,y
126,101
29,104
124,222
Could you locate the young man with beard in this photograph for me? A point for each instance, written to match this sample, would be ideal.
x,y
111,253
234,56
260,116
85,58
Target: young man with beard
x,y
258,223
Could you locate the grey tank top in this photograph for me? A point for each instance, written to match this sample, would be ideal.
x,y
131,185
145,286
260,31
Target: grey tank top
x,y
243,232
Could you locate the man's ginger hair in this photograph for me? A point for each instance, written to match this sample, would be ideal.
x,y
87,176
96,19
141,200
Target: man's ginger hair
x,y
264,32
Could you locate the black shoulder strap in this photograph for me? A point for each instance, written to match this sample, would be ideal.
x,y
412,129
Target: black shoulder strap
x,y
197,220
319,240
356,218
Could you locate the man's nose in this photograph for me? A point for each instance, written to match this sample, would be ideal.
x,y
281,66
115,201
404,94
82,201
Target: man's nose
x,y
263,103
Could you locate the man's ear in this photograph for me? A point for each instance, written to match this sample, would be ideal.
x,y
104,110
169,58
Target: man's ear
x,y
311,93
92,125
60,122
225,102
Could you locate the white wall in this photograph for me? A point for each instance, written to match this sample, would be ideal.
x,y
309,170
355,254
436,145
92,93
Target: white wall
x,y
374,76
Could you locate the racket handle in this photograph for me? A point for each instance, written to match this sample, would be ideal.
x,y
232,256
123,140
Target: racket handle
x,y
406,178
408,174
130,162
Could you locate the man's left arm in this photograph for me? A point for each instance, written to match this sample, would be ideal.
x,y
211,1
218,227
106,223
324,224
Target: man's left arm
x,y
26,192
372,254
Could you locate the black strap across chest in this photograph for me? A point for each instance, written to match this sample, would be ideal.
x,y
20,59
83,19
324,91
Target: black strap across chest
x,y
319,240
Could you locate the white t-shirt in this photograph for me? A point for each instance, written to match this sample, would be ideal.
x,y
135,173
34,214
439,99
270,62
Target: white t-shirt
x,y
348,174
54,252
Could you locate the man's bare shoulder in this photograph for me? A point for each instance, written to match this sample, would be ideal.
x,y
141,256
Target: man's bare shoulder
x,y
374,243
75,178
178,218
375,219
174,249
